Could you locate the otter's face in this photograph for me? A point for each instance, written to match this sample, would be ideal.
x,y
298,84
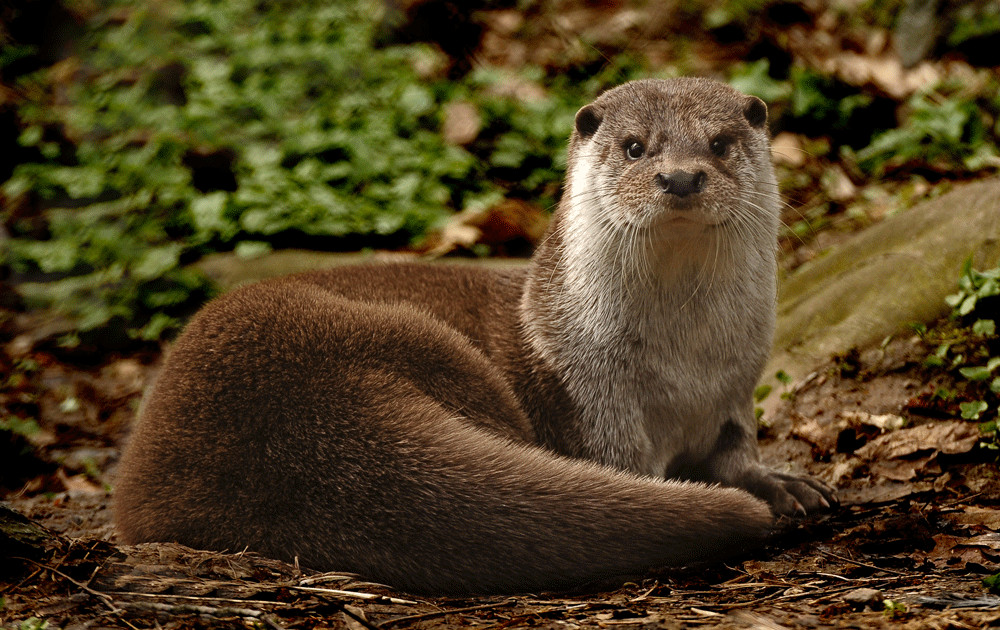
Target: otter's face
x,y
678,156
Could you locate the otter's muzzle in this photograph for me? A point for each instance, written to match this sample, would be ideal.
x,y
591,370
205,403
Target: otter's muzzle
x,y
681,183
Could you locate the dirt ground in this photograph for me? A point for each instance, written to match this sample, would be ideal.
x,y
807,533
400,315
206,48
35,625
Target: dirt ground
x,y
914,535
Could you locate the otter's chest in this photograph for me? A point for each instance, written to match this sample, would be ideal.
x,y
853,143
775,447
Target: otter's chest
x,y
693,371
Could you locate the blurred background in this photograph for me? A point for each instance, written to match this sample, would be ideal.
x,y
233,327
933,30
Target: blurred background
x,y
139,138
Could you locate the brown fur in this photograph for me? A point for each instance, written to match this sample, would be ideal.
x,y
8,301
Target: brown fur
x,y
398,422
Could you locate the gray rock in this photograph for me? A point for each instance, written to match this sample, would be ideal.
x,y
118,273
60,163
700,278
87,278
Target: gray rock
x,y
893,274
861,598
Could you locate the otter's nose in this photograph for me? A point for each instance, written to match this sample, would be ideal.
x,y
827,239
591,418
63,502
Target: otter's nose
x,y
681,183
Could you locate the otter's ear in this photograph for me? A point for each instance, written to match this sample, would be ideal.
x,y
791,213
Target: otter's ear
x,y
755,111
588,119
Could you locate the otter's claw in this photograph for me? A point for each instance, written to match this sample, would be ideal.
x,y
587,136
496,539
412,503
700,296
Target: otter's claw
x,y
791,494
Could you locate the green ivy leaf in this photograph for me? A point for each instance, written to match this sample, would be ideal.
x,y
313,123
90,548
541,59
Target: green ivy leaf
x,y
978,373
984,327
761,393
156,261
972,410
968,305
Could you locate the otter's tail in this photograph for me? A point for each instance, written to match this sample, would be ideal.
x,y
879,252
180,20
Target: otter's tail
x,y
441,507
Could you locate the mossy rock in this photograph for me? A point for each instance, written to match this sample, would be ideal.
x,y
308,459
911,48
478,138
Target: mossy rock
x,y
885,278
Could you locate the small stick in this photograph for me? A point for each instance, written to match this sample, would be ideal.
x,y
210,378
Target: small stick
x,y
834,576
862,564
960,500
327,577
355,594
13,587
228,600
195,608
442,613
356,617
102,596
706,613
655,585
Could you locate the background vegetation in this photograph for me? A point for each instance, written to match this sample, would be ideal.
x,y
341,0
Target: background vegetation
x,y
156,133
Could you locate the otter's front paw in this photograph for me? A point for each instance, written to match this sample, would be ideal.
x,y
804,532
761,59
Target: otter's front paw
x,y
792,494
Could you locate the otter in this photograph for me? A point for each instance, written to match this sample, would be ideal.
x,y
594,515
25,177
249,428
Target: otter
x,y
447,429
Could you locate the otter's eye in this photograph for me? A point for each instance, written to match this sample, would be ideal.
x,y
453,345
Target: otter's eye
x,y
720,145
635,150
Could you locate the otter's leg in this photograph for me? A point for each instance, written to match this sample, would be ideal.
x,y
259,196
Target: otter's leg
x,y
735,461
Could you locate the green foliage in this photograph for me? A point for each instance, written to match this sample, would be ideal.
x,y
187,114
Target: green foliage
x,y
969,345
761,393
944,128
974,19
726,12
992,583
200,126
817,98
755,78
25,427
945,132
974,286
893,609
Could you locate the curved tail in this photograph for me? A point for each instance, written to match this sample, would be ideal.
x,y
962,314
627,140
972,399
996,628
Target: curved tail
x,y
435,506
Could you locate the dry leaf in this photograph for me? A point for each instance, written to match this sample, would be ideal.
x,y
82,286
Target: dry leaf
x,y
78,483
509,221
838,185
900,469
885,422
972,515
462,123
940,437
786,149
991,540
822,438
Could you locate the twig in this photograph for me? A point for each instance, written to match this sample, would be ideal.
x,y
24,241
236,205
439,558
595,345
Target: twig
x,y
327,577
655,586
14,587
706,613
834,576
733,587
774,595
830,554
270,620
442,613
356,617
211,611
959,500
102,596
369,596
261,602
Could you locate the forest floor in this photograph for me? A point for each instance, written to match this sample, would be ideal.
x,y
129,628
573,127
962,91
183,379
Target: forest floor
x,y
914,535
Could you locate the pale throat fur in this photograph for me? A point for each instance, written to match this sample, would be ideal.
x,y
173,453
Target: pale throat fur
x,y
678,297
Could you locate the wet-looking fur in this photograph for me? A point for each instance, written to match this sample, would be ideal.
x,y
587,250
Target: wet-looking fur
x,y
447,429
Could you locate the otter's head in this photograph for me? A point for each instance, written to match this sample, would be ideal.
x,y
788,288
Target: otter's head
x,y
678,157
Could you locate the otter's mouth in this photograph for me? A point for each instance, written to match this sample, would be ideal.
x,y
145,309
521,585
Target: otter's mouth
x,y
692,219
